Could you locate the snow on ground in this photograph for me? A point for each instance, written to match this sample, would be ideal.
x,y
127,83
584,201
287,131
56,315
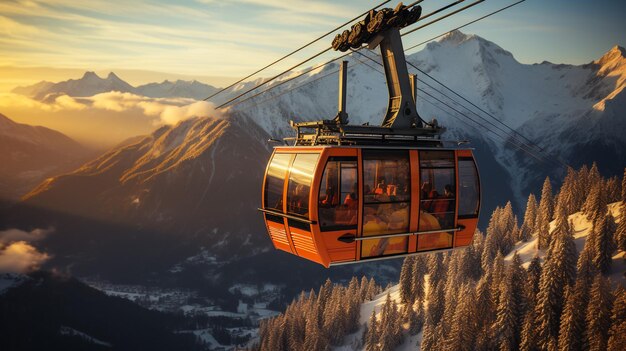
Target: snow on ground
x,y
67,331
9,280
582,227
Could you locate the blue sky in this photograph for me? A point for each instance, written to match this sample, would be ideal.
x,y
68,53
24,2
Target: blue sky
x,y
233,37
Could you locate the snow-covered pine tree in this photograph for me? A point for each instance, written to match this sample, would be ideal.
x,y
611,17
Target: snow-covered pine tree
x,y
570,328
595,205
484,312
566,194
436,269
463,325
533,273
417,279
407,295
545,214
564,233
620,231
530,215
371,337
511,306
372,289
436,303
416,320
599,314
363,288
603,243
612,189
554,277
429,337
617,333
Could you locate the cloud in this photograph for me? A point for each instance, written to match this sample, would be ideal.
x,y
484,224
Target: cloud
x,y
162,110
13,235
17,255
59,103
175,114
168,110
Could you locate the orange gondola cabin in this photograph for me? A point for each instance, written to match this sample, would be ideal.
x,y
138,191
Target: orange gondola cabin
x,y
345,194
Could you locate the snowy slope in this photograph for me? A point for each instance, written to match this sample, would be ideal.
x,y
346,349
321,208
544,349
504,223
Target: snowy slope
x,y
180,88
526,250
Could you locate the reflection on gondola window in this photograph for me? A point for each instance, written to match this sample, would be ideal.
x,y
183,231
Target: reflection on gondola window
x,y
275,181
299,188
437,192
338,196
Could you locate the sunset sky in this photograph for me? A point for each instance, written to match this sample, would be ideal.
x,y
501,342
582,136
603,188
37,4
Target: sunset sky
x,y
215,41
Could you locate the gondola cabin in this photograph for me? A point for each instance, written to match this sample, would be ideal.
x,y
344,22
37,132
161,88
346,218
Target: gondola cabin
x,y
341,204
347,193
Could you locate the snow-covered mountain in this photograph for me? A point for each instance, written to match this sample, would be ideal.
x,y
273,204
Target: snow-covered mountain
x,y
88,85
32,153
187,184
573,113
91,84
180,88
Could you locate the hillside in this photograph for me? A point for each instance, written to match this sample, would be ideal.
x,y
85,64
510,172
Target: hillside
x,y
30,154
526,250
47,311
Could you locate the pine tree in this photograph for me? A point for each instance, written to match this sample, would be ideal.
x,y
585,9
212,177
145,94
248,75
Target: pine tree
x,y
570,329
529,338
372,289
564,233
566,194
371,340
417,279
534,276
511,306
484,312
617,333
416,320
429,337
462,327
436,303
554,277
406,279
620,232
599,314
603,243
545,214
530,216
436,269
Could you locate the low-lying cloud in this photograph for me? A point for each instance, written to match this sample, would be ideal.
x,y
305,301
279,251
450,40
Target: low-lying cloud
x,y
105,119
164,110
17,255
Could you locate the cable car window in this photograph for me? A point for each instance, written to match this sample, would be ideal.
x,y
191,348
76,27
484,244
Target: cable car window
x,y
437,195
299,188
275,181
437,198
338,197
386,200
469,199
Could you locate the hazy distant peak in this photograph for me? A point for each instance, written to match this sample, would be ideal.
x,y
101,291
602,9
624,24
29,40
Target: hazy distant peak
x,y
90,75
113,76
